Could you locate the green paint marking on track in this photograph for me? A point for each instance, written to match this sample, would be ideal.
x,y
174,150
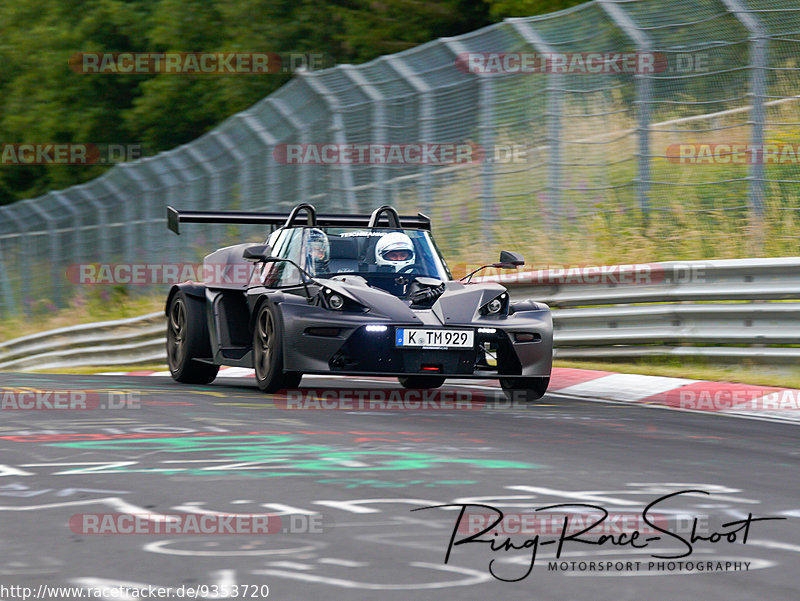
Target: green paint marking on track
x,y
356,483
298,459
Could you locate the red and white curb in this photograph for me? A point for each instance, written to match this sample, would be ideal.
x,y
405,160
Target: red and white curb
x,y
743,400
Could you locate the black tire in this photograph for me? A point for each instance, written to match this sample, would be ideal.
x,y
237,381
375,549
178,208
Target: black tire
x,y
421,382
524,389
187,340
268,352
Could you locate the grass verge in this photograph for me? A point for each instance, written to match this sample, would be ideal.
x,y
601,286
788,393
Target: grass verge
x,y
116,305
787,376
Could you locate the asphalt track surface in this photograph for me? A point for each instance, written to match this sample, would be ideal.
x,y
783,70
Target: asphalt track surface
x,y
351,479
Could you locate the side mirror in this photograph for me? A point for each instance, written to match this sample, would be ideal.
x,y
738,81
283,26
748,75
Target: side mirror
x,y
257,253
510,260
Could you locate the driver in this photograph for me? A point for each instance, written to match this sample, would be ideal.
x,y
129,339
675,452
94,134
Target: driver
x,y
318,251
395,250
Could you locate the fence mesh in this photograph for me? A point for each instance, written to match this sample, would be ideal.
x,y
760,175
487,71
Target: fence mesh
x,y
580,161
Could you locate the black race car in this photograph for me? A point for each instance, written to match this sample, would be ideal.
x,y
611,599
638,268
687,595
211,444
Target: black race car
x,y
355,295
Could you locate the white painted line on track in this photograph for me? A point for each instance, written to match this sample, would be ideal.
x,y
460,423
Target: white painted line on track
x,y
626,387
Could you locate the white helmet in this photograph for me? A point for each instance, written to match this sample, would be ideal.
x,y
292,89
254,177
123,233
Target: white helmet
x,y
394,249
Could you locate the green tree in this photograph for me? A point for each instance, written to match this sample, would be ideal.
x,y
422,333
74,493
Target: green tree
x,y
43,100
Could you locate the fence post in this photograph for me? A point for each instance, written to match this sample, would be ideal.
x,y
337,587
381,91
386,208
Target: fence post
x,y
238,159
759,38
76,221
269,141
24,265
425,123
124,197
144,248
338,128
5,286
644,92
554,91
486,127
301,129
55,255
378,126
102,225
117,193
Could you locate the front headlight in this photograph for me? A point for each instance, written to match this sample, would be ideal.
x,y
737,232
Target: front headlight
x,y
496,306
335,302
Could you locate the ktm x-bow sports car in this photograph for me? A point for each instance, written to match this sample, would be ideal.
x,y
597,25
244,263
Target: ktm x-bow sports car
x,y
354,295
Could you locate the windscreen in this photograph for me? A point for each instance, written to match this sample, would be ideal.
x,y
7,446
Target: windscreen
x,y
372,253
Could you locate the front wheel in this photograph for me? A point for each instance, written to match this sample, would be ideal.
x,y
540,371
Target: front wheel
x,y
187,340
421,382
268,353
524,389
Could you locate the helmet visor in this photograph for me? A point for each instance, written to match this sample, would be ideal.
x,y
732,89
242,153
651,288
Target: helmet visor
x,y
398,254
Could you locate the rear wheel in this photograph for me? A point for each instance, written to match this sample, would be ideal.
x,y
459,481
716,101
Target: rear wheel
x,y
187,340
421,382
268,353
524,389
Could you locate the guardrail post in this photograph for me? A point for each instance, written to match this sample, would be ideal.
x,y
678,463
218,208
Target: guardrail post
x,y
644,92
426,117
759,39
554,91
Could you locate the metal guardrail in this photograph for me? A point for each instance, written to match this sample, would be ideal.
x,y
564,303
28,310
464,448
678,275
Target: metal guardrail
x,y
590,151
726,309
120,342
723,309
669,281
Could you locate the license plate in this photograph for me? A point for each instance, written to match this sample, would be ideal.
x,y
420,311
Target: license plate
x,y
417,338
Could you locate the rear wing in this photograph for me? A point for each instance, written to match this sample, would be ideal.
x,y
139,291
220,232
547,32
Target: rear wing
x,y
301,215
